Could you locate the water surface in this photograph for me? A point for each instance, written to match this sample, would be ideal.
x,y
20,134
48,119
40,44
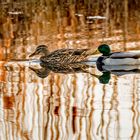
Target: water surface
x,y
73,106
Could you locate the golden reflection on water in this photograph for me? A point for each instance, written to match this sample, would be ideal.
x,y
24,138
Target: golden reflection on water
x,y
73,106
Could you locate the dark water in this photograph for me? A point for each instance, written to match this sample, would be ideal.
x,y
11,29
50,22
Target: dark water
x,y
73,106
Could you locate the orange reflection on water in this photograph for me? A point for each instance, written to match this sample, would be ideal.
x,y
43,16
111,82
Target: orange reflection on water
x,y
73,106
9,102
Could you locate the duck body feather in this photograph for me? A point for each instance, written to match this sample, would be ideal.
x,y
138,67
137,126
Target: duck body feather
x,y
119,62
125,55
66,60
65,56
122,58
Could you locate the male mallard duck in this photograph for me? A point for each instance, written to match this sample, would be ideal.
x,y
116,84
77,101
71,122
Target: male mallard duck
x,y
117,63
117,60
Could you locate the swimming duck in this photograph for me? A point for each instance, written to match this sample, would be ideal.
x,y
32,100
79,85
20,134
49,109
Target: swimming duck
x,y
62,56
117,60
117,63
61,61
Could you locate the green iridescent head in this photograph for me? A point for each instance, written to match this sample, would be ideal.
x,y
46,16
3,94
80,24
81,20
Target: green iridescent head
x,y
105,77
104,49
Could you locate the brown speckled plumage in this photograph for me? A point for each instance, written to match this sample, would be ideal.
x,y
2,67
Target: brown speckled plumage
x,y
62,60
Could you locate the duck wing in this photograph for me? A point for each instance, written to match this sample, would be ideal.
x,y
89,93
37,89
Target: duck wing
x,y
68,52
125,55
65,56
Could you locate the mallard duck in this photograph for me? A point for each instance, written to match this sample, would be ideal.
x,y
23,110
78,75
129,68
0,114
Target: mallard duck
x,y
62,60
62,56
117,60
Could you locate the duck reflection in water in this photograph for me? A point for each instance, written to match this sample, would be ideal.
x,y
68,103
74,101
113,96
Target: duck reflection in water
x,y
79,60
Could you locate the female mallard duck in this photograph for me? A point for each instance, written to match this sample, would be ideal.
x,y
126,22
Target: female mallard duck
x,y
62,56
61,61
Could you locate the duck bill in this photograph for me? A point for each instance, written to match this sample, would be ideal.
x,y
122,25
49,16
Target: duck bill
x,y
97,76
32,54
96,52
33,69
